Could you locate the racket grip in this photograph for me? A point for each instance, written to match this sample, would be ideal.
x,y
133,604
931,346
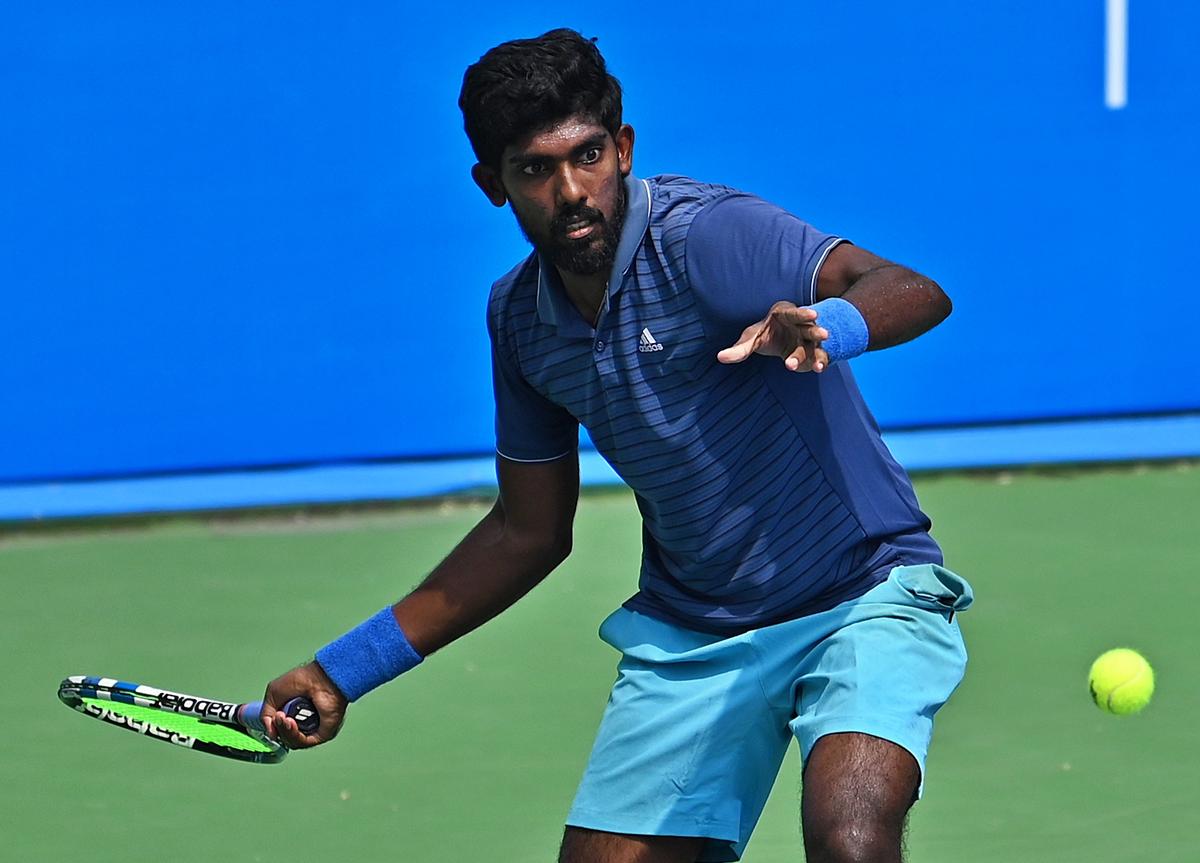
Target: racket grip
x,y
305,714
300,709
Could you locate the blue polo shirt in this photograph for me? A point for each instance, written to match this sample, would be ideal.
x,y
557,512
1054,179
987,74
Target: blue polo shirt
x,y
765,494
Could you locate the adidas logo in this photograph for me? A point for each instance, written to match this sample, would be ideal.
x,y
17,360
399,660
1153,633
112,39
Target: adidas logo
x,y
647,344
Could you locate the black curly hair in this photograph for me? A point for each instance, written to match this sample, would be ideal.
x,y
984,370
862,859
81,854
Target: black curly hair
x,y
527,85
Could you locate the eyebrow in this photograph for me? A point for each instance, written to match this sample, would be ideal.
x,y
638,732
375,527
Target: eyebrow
x,y
596,140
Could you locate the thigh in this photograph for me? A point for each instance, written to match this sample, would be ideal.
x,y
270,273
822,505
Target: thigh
x,y
595,846
857,790
688,745
893,659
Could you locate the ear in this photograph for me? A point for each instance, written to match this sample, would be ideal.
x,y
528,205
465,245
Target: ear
x,y
488,180
624,141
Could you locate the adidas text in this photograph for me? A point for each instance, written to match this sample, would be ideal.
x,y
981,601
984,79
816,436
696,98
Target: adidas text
x,y
647,343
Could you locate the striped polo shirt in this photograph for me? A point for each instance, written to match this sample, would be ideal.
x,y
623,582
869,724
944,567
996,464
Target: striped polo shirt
x,y
765,494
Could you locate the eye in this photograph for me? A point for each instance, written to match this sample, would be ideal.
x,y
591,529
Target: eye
x,y
533,169
590,156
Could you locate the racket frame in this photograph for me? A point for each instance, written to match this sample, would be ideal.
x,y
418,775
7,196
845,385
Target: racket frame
x,y
239,717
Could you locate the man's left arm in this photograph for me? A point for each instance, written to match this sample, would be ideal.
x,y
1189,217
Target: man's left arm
x,y
863,303
897,303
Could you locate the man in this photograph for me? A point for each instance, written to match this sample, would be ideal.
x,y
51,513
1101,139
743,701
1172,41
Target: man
x,y
789,585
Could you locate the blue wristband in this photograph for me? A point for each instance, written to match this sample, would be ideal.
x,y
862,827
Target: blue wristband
x,y
847,329
368,656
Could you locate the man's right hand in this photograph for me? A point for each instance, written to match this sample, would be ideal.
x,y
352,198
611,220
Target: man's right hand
x,y
312,682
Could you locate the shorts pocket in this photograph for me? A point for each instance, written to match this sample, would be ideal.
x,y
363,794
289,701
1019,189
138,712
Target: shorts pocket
x,y
613,627
934,587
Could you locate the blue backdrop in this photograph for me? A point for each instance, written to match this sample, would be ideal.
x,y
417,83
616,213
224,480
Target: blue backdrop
x,y
245,234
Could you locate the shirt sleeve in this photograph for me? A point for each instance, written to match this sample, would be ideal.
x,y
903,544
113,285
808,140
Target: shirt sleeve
x,y
529,427
743,254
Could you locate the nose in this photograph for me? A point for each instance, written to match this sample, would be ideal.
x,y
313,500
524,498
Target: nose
x,y
570,189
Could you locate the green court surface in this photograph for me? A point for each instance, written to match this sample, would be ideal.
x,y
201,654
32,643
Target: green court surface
x,y
475,755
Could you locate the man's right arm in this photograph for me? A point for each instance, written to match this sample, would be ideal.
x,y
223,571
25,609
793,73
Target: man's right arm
x,y
515,546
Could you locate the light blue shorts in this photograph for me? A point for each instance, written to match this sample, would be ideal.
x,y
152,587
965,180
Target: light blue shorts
x,y
697,725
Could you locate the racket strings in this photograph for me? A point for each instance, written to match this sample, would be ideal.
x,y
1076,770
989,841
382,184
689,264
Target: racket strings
x,y
147,720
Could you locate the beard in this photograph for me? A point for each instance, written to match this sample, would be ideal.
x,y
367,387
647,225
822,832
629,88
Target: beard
x,y
588,255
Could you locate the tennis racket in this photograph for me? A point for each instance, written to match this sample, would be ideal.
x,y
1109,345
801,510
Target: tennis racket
x,y
202,724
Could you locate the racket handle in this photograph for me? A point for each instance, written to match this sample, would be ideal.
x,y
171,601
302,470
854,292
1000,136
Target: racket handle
x,y
305,714
300,709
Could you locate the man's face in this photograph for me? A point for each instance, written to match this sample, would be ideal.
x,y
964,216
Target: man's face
x,y
565,186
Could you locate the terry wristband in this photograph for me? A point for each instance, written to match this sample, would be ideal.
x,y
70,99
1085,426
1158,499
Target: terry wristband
x,y
368,656
847,329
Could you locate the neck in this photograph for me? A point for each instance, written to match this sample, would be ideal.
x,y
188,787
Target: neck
x,y
586,293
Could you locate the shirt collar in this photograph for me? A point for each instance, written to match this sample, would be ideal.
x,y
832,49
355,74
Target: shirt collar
x,y
552,304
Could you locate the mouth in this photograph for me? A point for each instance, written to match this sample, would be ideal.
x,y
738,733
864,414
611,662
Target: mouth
x,y
579,229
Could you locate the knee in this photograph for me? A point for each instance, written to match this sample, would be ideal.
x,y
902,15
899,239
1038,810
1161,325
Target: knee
x,y
581,845
862,840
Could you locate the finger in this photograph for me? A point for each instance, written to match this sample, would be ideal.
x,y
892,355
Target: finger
x,y
805,324
748,338
269,709
289,731
796,314
743,347
815,359
797,360
734,353
820,360
299,739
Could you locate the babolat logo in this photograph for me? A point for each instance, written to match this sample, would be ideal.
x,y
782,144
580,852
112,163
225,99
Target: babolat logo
x,y
147,728
196,706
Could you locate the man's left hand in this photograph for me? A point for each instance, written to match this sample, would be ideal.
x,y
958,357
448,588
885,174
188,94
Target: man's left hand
x,y
788,331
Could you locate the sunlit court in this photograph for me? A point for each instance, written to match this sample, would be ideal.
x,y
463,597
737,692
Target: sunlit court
x,y
571,435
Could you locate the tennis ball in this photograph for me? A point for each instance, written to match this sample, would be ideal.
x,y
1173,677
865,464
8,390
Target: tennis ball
x,y
1121,681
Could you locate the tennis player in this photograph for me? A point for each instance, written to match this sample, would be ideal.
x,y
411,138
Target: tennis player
x,y
789,586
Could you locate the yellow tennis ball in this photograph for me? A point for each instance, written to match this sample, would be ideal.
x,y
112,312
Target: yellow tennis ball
x,y
1121,681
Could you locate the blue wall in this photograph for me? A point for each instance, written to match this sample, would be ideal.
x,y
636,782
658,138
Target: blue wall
x,y
239,234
